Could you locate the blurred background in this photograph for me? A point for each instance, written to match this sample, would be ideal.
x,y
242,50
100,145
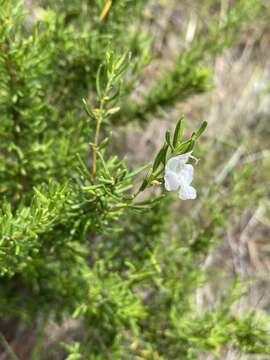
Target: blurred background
x,y
233,174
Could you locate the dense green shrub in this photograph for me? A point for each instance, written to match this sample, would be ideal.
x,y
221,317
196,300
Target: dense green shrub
x,y
80,235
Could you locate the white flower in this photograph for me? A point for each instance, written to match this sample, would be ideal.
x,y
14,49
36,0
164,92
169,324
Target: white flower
x,y
179,175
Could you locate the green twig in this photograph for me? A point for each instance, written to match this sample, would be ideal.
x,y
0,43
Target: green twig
x,y
8,348
95,148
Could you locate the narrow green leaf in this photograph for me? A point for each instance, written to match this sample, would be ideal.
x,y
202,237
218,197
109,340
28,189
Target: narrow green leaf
x,y
115,95
201,129
145,181
144,185
123,63
191,146
104,143
193,136
113,111
98,81
185,147
164,154
40,195
160,156
138,170
178,132
84,170
88,110
109,61
168,139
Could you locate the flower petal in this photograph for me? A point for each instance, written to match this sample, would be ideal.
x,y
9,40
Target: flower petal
x,y
171,181
187,174
176,163
187,193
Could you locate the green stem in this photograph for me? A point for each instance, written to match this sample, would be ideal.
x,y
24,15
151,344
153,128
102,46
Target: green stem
x,y
94,159
7,348
99,121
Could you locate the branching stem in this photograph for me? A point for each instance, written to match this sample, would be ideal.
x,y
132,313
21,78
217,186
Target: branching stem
x,y
99,120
